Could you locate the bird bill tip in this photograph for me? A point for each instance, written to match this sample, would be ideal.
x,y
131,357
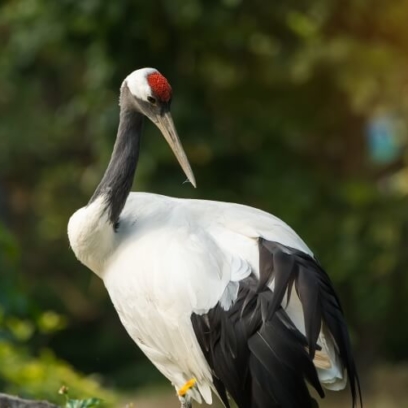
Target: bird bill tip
x,y
191,181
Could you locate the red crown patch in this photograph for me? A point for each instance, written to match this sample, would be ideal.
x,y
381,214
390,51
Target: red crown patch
x,y
160,86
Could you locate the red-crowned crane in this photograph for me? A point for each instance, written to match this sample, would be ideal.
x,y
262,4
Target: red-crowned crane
x,y
222,298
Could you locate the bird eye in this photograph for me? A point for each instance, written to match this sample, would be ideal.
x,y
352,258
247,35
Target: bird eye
x,y
151,100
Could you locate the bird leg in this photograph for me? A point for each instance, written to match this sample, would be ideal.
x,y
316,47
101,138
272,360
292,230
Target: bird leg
x,y
185,402
183,396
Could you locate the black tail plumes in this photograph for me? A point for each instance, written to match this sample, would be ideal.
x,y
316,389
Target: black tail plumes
x,y
289,267
261,364
256,353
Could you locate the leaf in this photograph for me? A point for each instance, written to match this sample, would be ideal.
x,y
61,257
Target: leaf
x,y
86,403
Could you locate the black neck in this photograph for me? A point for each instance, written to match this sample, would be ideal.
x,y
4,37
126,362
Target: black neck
x,y
118,178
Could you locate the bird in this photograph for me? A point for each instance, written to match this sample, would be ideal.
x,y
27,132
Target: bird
x,y
226,300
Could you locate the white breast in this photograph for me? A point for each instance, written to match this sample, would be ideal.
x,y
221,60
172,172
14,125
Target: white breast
x,y
91,236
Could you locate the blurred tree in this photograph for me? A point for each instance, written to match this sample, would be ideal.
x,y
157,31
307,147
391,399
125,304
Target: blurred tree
x,y
271,101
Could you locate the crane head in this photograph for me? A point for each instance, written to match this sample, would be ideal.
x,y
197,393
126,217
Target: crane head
x,y
148,91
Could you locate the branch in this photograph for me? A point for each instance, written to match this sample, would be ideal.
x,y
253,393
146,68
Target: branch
x,y
9,401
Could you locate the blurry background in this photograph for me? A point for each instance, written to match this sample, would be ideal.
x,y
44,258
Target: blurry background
x,y
296,107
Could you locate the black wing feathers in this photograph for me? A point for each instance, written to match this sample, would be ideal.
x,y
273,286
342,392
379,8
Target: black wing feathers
x,y
256,353
260,364
319,301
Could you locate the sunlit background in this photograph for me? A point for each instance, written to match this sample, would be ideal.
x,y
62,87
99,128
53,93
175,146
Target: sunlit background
x,y
296,107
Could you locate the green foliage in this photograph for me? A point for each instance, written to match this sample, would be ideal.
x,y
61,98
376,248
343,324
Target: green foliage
x,y
40,374
75,403
271,100
88,403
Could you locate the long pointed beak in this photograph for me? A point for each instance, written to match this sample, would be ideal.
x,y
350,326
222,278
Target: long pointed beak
x,y
166,125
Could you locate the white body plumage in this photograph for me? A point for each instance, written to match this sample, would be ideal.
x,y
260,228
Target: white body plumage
x,y
172,257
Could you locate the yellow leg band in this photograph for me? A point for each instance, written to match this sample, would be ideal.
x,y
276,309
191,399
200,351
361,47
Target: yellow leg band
x,y
186,387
